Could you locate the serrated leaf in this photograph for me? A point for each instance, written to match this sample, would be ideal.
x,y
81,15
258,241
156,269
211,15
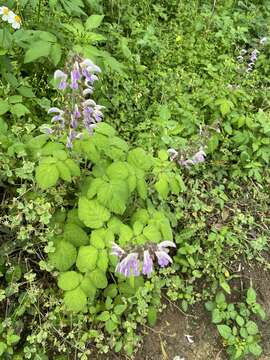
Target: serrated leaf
x,y
118,170
64,256
75,235
110,326
142,188
19,110
96,239
140,159
103,260
73,167
119,309
162,186
37,50
92,214
216,316
114,195
69,280
56,53
64,171
51,147
152,233
88,288
98,278
104,316
47,175
87,258
75,300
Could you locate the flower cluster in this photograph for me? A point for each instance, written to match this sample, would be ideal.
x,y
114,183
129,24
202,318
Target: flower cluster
x,y
251,57
141,260
79,112
199,157
10,17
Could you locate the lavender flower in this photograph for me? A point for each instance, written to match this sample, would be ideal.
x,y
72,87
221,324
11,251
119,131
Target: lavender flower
x,y
199,157
130,265
141,259
62,78
147,263
78,111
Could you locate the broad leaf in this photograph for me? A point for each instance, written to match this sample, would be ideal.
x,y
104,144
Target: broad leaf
x,y
92,214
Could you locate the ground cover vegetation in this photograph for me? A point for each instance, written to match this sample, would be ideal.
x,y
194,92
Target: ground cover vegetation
x,y
134,166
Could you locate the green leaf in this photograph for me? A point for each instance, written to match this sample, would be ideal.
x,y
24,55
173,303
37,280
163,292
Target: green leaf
x,y
225,286
105,129
87,258
225,331
56,53
3,347
92,214
251,296
213,143
75,300
103,260
216,316
93,22
142,188
162,186
60,155
119,309
220,298
240,321
152,316
118,170
252,328
88,288
37,50
64,171
73,167
4,107
255,349
110,326
47,175
210,305
19,110
111,291
75,235
64,256
96,239
139,159
152,233
69,280
51,147
99,279
104,316
114,195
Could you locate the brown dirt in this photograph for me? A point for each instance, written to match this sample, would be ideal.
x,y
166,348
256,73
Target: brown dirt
x,y
168,340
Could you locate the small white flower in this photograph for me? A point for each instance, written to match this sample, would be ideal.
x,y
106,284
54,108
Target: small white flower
x,y
16,21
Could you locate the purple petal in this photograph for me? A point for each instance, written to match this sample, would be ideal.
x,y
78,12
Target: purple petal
x,y
129,265
147,263
163,258
117,250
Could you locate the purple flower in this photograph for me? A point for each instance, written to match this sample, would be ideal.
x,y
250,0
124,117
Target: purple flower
x,y
90,66
253,56
130,265
147,263
117,250
163,258
199,157
55,110
164,244
75,76
62,77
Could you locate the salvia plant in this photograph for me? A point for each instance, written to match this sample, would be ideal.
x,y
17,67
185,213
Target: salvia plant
x,y
77,111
